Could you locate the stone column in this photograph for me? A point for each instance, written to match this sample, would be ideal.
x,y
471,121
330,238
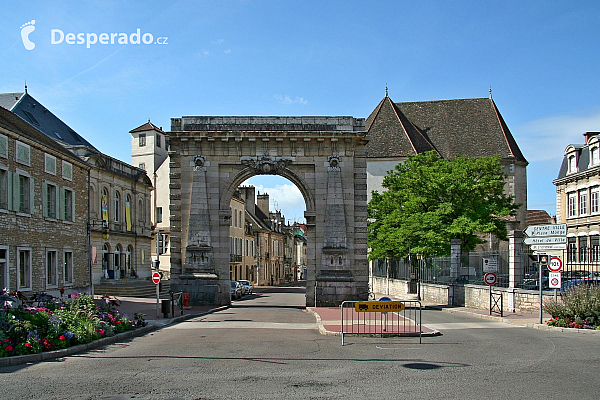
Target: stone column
x,y
515,262
198,277
455,250
334,281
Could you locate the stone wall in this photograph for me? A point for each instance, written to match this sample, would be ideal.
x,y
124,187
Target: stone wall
x,y
34,232
471,296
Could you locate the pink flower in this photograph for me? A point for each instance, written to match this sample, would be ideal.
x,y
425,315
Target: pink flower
x,y
27,344
101,332
62,337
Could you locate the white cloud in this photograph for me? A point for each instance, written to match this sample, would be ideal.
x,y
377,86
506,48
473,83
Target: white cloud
x,y
547,138
218,41
227,51
286,198
288,100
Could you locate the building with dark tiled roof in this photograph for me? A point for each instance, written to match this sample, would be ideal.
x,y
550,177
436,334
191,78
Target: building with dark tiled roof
x,y
43,212
578,199
470,127
119,196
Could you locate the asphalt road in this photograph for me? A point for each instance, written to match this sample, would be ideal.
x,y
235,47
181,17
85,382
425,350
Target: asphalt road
x,y
267,347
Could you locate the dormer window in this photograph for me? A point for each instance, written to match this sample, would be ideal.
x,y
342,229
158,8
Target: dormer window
x,y
594,156
572,164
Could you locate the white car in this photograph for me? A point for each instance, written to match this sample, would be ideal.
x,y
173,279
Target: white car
x,y
246,286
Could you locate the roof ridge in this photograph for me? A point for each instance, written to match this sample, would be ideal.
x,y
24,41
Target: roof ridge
x,y
369,121
510,140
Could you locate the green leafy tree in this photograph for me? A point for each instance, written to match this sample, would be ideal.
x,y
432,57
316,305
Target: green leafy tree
x,y
430,200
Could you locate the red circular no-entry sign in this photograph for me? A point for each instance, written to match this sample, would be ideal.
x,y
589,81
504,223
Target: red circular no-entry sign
x,y
490,278
155,278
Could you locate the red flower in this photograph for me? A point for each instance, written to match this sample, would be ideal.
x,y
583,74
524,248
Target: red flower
x,y
6,340
117,322
27,344
62,337
9,348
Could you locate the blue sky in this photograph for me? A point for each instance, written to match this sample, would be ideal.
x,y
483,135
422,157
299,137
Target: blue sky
x,y
312,58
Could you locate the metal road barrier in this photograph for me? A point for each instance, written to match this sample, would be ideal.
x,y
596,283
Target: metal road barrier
x,y
381,318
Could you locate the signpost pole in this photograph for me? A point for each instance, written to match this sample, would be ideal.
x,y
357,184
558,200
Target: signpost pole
x,y
541,300
157,300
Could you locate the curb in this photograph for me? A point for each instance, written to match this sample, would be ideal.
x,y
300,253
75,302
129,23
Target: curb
x,y
542,327
50,355
322,329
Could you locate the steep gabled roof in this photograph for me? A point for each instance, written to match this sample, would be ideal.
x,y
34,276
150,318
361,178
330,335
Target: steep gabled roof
x,y
472,127
8,100
148,126
391,133
13,123
38,116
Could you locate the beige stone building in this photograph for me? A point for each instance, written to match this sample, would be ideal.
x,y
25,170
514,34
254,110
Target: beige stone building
x,y
578,201
120,226
43,212
149,152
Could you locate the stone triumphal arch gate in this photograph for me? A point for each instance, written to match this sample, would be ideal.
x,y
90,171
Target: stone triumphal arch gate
x,y
324,156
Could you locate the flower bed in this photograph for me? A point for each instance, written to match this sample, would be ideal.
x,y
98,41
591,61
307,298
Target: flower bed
x,y
60,323
579,308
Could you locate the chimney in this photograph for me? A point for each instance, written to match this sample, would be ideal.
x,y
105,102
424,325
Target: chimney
x,y
247,193
262,201
589,135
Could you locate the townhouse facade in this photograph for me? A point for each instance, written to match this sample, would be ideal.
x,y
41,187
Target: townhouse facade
x,y
43,213
578,199
117,197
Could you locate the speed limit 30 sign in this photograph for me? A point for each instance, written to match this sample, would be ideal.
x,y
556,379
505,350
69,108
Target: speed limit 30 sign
x,y
555,264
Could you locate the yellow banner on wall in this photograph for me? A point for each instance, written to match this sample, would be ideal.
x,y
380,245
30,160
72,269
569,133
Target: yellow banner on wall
x,y
128,216
104,206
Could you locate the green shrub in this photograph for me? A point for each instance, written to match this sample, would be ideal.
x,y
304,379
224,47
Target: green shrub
x,y
581,303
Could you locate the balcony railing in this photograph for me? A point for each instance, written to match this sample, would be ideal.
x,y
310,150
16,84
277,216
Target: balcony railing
x,y
235,258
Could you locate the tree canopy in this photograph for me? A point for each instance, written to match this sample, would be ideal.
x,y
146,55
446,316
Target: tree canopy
x,y
430,200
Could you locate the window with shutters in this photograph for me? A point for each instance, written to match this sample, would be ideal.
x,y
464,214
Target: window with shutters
x,y
24,268
68,267
51,268
142,139
23,153
50,197
67,170
3,146
22,192
68,205
50,164
3,188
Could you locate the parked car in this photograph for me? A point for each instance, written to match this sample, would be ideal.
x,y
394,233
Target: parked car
x,y
246,286
236,290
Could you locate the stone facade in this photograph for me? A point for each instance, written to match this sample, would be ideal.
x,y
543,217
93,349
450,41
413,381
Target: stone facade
x,y
324,156
43,213
578,202
120,226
